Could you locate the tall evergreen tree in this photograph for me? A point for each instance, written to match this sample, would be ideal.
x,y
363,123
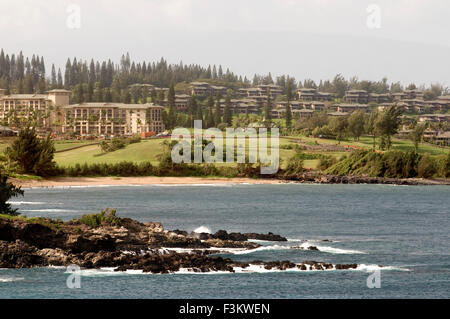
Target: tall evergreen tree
x,y
288,103
218,111
268,110
172,115
227,117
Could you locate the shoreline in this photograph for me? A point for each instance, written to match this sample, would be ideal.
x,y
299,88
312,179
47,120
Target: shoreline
x,y
155,180
139,181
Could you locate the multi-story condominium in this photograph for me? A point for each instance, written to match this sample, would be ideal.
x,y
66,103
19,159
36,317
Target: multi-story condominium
x,y
413,94
348,108
306,94
398,96
205,89
441,104
148,87
357,96
181,101
274,90
309,94
443,138
243,106
408,95
261,90
337,114
43,110
303,105
112,119
379,98
434,118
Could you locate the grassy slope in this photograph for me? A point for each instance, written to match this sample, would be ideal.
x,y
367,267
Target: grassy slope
x,y
146,150
398,144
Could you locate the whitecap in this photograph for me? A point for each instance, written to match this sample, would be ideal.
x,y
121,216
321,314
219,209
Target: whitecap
x,y
25,203
11,279
202,229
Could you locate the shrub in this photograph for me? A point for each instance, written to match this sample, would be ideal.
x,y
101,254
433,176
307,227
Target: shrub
x,y
326,161
294,166
107,216
426,167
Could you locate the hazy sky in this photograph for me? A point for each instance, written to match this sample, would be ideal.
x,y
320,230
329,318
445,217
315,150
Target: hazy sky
x,y
405,40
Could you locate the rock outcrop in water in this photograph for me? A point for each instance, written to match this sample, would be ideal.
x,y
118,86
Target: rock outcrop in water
x,y
224,235
320,178
127,244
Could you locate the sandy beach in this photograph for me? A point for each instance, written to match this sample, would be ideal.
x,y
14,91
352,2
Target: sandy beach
x,y
147,180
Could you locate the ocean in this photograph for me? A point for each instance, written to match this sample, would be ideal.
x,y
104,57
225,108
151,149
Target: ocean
x,y
405,229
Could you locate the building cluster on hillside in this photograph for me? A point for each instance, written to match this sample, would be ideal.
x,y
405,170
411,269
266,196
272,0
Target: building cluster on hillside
x,y
206,89
308,100
53,112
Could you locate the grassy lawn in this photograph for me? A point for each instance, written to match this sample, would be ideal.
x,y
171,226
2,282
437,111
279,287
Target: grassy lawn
x,y
68,144
146,150
367,142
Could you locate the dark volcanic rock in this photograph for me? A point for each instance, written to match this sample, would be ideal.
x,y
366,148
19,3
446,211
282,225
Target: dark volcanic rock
x,y
132,245
269,237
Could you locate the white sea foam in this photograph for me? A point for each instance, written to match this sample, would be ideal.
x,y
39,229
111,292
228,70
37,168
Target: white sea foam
x,y
189,250
262,248
371,268
329,249
202,229
25,203
11,279
252,268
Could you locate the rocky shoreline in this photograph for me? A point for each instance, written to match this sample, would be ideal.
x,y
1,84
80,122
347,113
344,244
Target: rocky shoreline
x,y
318,178
126,244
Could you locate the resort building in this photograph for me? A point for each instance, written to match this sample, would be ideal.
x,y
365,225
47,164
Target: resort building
x,y
379,98
435,118
181,101
6,131
112,119
408,95
443,139
45,110
357,96
308,94
261,90
337,114
205,89
352,107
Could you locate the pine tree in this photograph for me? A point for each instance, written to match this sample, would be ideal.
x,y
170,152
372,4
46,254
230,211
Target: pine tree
x,y
29,85
60,80
288,103
218,112
192,110
227,117
32,155
268,111
54,82
172,115
7,191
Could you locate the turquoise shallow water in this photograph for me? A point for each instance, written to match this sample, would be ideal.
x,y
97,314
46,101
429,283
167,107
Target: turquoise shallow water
x,y
404,228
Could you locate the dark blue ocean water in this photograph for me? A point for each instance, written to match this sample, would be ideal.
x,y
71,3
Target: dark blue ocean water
x,y
403,228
